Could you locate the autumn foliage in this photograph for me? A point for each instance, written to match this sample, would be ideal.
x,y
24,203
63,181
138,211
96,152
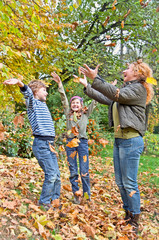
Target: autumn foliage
x,y
102,218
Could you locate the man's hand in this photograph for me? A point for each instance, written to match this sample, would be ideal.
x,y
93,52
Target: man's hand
x,y
13,81
88,72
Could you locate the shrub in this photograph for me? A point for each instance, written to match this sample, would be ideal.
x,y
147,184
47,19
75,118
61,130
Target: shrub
x,y
17,139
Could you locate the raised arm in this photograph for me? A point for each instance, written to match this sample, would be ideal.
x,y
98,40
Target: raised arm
x,y
61,90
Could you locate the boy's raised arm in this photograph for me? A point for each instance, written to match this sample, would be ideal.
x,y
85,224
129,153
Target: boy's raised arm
x,y
13,81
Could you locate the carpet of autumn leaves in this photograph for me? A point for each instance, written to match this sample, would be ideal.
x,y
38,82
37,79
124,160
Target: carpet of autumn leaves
x,y
102,218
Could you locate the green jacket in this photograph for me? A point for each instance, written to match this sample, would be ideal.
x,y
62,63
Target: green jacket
x,y
131,102
81,123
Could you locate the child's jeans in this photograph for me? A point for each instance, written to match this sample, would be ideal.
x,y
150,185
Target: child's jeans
x,y
48,162
82,151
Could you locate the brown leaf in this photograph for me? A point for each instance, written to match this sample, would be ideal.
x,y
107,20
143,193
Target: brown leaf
x,y
122,24
72,155
73,143
75,131
2,130
110,44
132,193
106,21
85,158
127,13
67,187
18,120
76,80
90,231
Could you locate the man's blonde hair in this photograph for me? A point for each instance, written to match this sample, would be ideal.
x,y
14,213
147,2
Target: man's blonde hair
x,y
35,85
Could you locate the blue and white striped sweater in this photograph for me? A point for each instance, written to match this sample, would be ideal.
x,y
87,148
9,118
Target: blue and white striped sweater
x,y
38,114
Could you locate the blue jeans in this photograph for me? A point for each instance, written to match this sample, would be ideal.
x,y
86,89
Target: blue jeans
x,y
83,154
48,162
126,161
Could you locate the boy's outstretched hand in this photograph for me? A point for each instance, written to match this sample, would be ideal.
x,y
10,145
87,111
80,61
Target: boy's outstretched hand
x,y
88,72
13,81
56,78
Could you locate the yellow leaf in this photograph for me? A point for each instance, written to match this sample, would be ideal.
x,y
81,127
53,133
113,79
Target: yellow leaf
x,y
85,158
151,80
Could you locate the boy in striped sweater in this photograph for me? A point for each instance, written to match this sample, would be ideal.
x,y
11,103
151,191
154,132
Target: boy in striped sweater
x,y
44,133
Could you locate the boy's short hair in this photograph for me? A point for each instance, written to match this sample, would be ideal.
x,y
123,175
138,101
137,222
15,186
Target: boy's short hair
x,y
35,85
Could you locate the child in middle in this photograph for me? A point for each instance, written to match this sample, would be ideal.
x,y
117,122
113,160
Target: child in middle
x,y
76,119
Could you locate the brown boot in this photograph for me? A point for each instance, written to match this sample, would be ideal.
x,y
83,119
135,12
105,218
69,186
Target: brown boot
x,y
128,216
134,222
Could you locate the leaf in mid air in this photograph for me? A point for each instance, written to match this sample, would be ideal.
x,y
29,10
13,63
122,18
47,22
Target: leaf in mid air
x,y
151,80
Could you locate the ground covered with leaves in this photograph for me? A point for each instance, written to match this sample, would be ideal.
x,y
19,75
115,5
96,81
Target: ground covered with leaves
x,y
102,218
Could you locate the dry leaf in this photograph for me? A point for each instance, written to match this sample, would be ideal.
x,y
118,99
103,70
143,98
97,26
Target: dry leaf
x,y
2,130
76,80
73,143
75,131
122,24
19,120
85,158
72,155
106,21
132,193
67,187
151,80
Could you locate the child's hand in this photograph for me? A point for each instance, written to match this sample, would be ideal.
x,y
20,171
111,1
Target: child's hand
x,y
56,78
13,81
88,72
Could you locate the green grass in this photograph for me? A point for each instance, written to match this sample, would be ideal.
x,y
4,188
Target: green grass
x,y
148,167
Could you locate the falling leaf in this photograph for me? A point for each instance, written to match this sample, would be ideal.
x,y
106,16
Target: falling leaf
x,y
74,25
74,117
127,13
74,49
85,158
76,80
110,44
72,155
132,193
79,71
75,131
107,37
151,80
73,143
52,148
154,50
62,148
122,24
85,21
69,132
106,21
